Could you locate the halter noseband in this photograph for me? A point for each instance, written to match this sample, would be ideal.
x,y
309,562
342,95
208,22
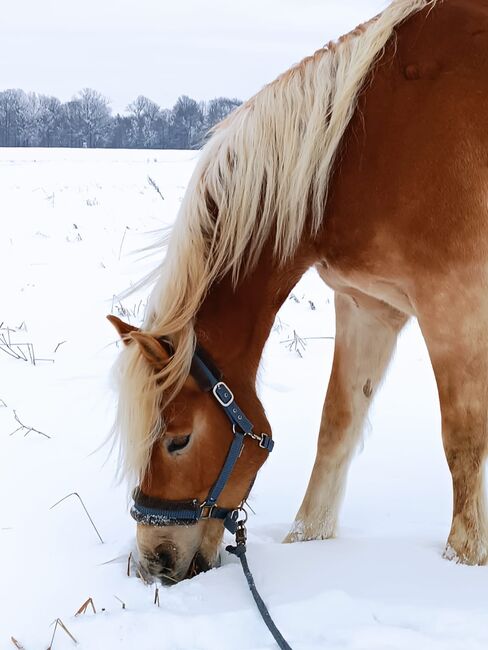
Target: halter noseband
x,y
162,512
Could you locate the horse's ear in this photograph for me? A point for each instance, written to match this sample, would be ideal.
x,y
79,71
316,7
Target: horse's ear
x,y
124,329
151,349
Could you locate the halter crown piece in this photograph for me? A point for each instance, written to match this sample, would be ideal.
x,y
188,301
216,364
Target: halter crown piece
x,y
162,512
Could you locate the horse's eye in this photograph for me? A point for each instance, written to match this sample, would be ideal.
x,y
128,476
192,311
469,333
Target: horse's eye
x,y
177,444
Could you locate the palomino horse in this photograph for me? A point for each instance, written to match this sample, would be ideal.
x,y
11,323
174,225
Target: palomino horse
x,y
369,160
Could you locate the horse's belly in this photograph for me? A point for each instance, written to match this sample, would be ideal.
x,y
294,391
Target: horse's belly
x,y
353,283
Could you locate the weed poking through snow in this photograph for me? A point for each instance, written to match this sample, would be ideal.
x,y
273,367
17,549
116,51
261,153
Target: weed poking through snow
x,y
295,344
59,623
19,351
75,494
154,185
84,607
26,429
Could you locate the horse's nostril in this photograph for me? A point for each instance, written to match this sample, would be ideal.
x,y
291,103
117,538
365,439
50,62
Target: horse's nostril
x,y
164,557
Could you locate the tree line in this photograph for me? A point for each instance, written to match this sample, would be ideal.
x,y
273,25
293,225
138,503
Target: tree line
x,y
35,120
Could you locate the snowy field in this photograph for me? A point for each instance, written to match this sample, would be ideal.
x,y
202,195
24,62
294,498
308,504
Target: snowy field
x,y
69,221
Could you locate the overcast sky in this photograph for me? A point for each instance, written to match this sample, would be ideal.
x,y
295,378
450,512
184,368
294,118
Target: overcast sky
x,y
161,48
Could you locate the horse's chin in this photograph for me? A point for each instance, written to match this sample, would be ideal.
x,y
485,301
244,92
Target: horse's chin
x,y
201,564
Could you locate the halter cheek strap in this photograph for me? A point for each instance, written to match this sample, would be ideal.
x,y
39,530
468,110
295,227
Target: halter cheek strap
x,y
161,512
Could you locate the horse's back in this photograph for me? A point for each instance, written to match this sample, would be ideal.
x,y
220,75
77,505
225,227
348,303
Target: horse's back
x,y
409,196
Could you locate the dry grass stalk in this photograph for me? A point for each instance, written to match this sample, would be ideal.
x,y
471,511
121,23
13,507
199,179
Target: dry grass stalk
x,y
84,607
16,643
120,601
26,428
295,344
193,570
59,623
129,559
75,494
59,345
122,242
156,596
114,560
140,575
154,185
131,314
22,351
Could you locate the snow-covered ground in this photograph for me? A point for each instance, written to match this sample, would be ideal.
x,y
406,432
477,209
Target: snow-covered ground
x,y
68,222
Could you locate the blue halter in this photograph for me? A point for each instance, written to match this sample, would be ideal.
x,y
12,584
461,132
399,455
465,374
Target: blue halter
x,y
161,512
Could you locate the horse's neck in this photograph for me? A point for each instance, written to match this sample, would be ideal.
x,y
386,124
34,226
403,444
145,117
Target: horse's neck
x,y
233,324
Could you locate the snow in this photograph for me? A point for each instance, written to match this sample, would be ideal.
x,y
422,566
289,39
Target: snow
x,y
69,221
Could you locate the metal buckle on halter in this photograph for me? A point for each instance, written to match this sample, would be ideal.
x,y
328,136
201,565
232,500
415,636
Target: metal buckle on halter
x,y
206,511
264,441
229,397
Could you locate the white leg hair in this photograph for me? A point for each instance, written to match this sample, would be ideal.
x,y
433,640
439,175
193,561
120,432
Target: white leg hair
x,y
366,333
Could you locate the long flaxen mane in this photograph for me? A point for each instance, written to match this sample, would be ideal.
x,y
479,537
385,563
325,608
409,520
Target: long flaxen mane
x,y
261,171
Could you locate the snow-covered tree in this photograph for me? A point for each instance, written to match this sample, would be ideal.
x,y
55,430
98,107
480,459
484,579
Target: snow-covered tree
x,y
187,123
144,115
94,116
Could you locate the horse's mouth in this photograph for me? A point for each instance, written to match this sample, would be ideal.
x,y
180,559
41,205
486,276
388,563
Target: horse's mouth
x,y
200,564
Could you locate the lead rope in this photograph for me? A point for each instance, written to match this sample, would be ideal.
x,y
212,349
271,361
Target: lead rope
x,y
239,550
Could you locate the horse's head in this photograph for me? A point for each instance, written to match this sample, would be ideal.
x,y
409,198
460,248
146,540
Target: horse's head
x,y
185,496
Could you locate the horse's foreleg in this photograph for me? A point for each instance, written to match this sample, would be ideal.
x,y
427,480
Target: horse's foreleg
x,y
366,332
457,339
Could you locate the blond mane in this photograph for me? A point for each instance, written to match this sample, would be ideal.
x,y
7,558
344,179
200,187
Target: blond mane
x,y
262,170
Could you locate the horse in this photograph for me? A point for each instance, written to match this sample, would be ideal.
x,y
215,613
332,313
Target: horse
x,y
369,161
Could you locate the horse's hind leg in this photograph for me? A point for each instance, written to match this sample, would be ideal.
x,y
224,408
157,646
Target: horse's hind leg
x,y
366,332
457,339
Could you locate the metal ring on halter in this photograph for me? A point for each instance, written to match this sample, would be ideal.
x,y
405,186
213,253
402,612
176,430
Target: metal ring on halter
x,y
251,434
236,432
244,511
207,510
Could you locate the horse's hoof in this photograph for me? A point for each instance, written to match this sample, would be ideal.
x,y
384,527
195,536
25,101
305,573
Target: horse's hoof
x,y
296,534
291,538
475,558
450,554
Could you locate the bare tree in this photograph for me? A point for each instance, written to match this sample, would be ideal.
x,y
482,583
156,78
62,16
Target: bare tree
x,y
94,115
120,132
50,122
219,108
31,119
163,127
12,104
187,122
73,124
144,115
